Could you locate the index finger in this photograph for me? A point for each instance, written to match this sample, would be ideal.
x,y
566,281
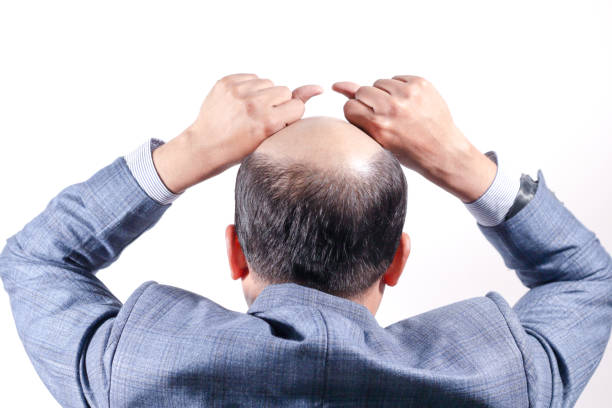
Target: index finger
x,y
289,112
347,89
304,93
238,77
409,78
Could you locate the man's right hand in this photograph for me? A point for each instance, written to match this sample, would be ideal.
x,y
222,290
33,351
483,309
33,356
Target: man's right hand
x,y
407,116
239,113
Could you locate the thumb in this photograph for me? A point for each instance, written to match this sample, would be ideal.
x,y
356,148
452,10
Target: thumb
x,y
347,89
304,93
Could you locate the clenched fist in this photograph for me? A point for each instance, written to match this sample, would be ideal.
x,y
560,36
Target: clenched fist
x,y
407,116
242,110
239,113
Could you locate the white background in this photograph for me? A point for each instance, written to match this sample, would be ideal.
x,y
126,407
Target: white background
x,y
81,84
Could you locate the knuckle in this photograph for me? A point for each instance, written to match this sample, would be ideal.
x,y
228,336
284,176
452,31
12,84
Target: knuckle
x,y
423,82
404,90
225,80
413,89
377,121
297,107
381,122
359,93
251,106
270,125
387,123
393,109
235,91
286,92
349,107
299,112
418,83
302,106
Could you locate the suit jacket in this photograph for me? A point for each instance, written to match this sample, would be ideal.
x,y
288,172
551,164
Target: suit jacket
x,y
297,346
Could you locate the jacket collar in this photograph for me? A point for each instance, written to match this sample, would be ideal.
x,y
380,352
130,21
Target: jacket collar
x,y
287,294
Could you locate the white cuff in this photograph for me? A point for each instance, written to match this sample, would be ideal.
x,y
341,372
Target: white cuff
x,y
140,163
491,208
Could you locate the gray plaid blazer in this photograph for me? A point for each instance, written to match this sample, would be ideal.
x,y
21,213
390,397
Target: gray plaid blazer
x,y
296,346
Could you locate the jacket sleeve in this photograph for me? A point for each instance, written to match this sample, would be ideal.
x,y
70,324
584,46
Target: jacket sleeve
x,y
567,312
64,315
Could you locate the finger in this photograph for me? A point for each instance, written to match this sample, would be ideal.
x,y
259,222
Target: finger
x,y
289,112
393,87
253,85
358,114
238,77
347,89
376,98
304,93
275,95
408,78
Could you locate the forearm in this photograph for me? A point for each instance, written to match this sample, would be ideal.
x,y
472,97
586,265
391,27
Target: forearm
x,y
185,161
462,171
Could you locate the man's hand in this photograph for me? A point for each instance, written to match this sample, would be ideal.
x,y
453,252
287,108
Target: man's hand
x,y
407,116
239,113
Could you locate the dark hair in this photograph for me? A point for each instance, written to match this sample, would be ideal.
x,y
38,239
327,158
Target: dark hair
x,y
335,230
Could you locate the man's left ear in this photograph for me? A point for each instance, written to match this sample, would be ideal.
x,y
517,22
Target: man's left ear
x,y
235,256
396,268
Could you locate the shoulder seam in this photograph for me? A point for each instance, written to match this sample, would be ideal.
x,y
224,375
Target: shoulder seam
x,y
517,346
116,342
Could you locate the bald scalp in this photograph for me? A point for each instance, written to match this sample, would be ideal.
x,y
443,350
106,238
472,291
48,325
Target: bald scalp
x,y
320,204
322,142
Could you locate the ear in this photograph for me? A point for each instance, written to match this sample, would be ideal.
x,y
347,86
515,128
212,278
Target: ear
x,y
235,256
396,268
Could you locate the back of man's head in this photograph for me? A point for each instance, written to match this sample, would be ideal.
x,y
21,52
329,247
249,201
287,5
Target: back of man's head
x,y
320,204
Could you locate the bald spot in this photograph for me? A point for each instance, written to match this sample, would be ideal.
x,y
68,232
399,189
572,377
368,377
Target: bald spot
x,y
322,142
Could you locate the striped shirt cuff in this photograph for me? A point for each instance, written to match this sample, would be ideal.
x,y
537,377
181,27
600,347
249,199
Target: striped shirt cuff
x,y
140,163
491,208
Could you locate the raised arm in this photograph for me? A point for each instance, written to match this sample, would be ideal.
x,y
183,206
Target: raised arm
x,y
562,324
48,272
567,312
68,321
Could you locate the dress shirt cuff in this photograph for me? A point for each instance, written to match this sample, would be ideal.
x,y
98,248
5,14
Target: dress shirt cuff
x,y
140,163
491,208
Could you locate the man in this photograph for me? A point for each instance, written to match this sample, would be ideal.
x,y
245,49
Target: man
x,y
320,207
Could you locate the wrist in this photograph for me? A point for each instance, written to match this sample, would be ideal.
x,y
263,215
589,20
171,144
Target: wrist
x,y
167,161
140,163
473,175
464,172
185,161
176,163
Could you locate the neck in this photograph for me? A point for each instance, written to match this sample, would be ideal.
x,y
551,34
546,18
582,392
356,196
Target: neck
x,y
371,298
